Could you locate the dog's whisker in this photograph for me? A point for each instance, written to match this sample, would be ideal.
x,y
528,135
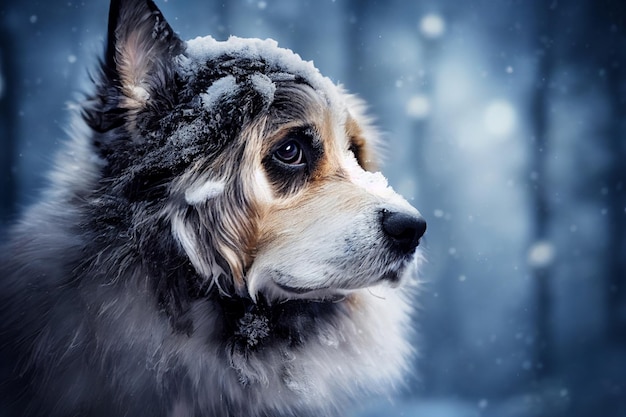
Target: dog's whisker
x,y
380,297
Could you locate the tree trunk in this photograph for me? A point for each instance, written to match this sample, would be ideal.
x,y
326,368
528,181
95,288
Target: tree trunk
x,y
616,262
541,268
356,13
8,78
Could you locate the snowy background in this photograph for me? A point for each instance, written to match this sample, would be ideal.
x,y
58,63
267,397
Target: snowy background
x,y
505,124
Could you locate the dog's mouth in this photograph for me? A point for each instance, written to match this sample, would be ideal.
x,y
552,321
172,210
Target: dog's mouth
x,y
298,290
334,292
321,293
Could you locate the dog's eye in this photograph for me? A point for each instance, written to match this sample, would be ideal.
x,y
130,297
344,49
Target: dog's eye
x,y
293,159
290,153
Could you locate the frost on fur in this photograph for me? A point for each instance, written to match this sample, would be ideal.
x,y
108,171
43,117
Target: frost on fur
x,y
202,193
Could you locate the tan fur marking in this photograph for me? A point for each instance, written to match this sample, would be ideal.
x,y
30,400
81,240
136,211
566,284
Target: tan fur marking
x,y
246,229
334,152
364,154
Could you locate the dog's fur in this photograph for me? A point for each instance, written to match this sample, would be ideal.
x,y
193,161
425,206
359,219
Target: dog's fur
x,y
213,242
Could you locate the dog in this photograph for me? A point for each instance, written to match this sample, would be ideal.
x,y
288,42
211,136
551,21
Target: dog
x,y
215,241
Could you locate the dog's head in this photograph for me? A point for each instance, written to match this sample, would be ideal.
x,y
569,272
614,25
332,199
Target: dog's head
x,y
262,169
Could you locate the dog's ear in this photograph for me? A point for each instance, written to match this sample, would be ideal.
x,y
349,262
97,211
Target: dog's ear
x,y
138,58
139,39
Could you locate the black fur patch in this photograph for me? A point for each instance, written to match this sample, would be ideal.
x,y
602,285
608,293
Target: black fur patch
x,y
288,179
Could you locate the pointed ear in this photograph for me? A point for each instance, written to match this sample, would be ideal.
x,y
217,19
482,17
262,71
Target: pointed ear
x,y
140,46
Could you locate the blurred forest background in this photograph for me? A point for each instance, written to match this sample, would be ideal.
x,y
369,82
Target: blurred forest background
x,y
505,123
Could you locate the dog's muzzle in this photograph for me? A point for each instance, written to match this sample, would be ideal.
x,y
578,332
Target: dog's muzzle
x,y
403,230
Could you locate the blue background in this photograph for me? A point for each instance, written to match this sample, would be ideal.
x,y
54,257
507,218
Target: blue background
x,y
505,125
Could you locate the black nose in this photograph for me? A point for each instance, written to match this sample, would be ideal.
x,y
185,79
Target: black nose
x,y
403,230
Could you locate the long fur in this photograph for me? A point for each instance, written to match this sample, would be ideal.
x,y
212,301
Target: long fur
x,y
178,266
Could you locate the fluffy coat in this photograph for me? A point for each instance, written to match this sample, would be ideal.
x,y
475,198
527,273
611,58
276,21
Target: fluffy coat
x,y
213,242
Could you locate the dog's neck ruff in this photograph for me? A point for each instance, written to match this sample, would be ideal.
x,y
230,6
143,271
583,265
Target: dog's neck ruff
x,y
251,325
